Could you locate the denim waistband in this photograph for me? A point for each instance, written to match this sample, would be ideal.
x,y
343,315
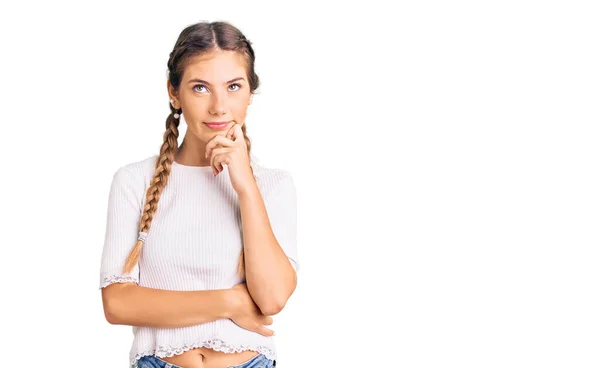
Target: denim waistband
x,y
259,361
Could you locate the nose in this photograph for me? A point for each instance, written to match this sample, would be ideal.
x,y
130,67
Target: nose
x,y
217,106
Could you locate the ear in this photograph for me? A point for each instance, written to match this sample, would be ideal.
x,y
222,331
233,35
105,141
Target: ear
x,y
172,95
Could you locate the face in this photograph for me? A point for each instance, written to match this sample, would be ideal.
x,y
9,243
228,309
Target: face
x,y
214,88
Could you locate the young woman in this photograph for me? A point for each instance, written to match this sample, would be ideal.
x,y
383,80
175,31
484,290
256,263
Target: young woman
x,y
200,245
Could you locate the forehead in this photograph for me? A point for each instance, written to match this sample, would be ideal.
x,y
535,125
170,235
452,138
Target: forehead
x,y
215,67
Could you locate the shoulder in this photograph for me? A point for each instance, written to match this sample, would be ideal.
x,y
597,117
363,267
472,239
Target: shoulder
x,y
271,180
137,172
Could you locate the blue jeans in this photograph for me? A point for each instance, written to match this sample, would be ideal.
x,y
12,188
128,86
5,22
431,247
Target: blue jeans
x,y
259,361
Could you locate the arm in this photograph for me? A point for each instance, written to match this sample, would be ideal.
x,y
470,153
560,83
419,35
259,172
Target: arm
x,y
270,276
124,301
134,305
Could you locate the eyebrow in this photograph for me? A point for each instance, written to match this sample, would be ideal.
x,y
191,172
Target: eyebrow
x,y
196,80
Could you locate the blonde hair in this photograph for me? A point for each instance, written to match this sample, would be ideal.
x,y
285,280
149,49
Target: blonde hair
x,y
193,40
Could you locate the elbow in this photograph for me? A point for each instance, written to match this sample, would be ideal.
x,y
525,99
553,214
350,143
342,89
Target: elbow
x,y
111,317
114,312
271,309
276,301
276,304
110,313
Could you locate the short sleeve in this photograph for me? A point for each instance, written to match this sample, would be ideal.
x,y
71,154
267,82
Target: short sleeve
x,y
122,227
281,205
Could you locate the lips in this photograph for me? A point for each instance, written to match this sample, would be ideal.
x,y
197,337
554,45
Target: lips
x,y
217,125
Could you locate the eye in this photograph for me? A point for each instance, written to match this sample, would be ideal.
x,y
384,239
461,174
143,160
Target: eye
x,y
203,86
199,85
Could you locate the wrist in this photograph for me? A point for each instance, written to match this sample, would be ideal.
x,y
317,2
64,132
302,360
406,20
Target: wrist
x,y
250,192
229,300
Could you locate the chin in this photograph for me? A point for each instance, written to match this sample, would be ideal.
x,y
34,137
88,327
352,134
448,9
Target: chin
x,y
200,135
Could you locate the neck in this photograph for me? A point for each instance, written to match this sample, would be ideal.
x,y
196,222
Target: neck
x,y
191,153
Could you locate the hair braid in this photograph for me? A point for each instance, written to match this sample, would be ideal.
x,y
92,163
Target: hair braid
x,y
158,183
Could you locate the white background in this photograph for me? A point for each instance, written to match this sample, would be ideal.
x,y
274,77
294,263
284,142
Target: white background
x,y
445,154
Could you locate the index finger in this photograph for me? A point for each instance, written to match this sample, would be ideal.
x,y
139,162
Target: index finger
x,y
231,130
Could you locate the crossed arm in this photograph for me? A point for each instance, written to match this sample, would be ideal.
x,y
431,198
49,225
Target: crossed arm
x,y
270,277
270,280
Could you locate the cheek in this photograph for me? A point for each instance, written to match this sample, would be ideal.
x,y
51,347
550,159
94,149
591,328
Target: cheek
x,y
240,111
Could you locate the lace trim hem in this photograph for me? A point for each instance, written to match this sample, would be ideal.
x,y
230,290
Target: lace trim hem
x,y
163,351
112,279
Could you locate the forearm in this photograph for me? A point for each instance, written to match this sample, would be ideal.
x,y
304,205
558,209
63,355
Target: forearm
x,y
270,277
133,305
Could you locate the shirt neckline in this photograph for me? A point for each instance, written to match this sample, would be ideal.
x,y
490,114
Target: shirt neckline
x,y
192,168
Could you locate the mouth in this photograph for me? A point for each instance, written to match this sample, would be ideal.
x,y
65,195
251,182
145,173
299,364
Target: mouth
x,y
217,125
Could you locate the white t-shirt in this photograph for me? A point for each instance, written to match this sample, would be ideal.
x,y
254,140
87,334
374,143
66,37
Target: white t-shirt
x,y
193,243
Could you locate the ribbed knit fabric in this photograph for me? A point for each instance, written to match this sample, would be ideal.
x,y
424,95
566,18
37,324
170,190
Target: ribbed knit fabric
x,y
194,243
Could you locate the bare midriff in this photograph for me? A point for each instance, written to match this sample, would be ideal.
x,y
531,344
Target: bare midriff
x,y
209,358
